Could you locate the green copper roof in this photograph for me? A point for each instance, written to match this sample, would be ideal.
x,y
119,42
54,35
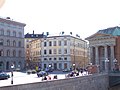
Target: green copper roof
x,y
115,31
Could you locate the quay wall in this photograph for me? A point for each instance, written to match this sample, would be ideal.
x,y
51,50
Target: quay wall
x,y
92,82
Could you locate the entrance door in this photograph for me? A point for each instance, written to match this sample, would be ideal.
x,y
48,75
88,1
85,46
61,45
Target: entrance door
x,y
55,66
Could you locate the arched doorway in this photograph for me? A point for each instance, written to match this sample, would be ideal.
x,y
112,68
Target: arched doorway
x,y
1,66
7,65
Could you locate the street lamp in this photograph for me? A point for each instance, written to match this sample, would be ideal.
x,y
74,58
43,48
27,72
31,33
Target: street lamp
x,y
12,67
49,66
106,65
74,66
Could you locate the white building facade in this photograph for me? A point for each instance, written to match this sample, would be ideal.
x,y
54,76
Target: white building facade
x,y
11,44
59,52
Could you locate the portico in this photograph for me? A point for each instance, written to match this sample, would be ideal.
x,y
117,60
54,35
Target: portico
x,y
104,48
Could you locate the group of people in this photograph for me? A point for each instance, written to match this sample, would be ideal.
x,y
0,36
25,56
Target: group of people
x,y
76,72
49,77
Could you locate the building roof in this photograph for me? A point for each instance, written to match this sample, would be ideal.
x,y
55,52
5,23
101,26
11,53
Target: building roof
x,y
10,21
115,31
34,35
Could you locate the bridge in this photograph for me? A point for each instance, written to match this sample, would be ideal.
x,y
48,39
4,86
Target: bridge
x,y
114,78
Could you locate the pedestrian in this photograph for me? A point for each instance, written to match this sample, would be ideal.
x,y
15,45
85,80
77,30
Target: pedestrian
x,y
49,77
45,78
55,77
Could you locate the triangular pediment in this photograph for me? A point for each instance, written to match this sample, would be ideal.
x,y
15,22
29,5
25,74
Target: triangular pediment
x,y
97,35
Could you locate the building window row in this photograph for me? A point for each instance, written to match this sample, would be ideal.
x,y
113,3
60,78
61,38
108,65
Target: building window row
x,y
54,43
8,43
54,51
59,58
9,33
11,53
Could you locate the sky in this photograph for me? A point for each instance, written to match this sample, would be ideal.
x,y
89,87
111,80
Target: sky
x,y
82,17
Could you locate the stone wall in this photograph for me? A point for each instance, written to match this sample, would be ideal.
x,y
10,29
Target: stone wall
x,y
92,82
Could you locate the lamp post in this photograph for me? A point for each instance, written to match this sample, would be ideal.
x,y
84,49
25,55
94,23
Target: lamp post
x,y
74,67
12,67
49,66
106,65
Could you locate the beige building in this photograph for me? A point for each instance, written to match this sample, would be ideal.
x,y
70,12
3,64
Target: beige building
x,y
11,44
59,52
30,47
105,48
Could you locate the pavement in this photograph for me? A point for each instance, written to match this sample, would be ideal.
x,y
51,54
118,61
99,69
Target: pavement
x,y
23,78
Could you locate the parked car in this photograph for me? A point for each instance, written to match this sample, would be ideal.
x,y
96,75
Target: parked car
x,y
4,75
42,73
49,70
66,70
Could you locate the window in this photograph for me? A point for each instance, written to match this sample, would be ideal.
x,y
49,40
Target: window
x,y
55,58
1,52
8,52
54,43
2,32
8,33
59,51
65,42
50,58
60,58
50,43
65,58
45,58
45,52
65,51
14,43
50,51
1,41
14,33
59,43
20,53
20,34
55,51
8,42
19,44
27,46
45,44
14,53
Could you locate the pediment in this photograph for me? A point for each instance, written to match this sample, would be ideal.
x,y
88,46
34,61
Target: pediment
x,y
97,35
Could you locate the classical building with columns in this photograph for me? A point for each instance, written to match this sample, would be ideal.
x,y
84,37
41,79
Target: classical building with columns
x,y
105,48
11,44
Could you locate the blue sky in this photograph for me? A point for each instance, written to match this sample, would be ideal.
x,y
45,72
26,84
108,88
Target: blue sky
x,y
82,17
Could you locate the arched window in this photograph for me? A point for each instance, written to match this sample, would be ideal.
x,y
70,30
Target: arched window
x,y
1,53
20,53
20,34
14,33
2,31
8,52
8,42
14,53
14,43
8,32
19,44
1,41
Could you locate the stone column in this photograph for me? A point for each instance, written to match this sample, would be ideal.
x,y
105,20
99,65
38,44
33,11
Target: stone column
x,y
105,53
106,58
112,57
91,54
96,56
